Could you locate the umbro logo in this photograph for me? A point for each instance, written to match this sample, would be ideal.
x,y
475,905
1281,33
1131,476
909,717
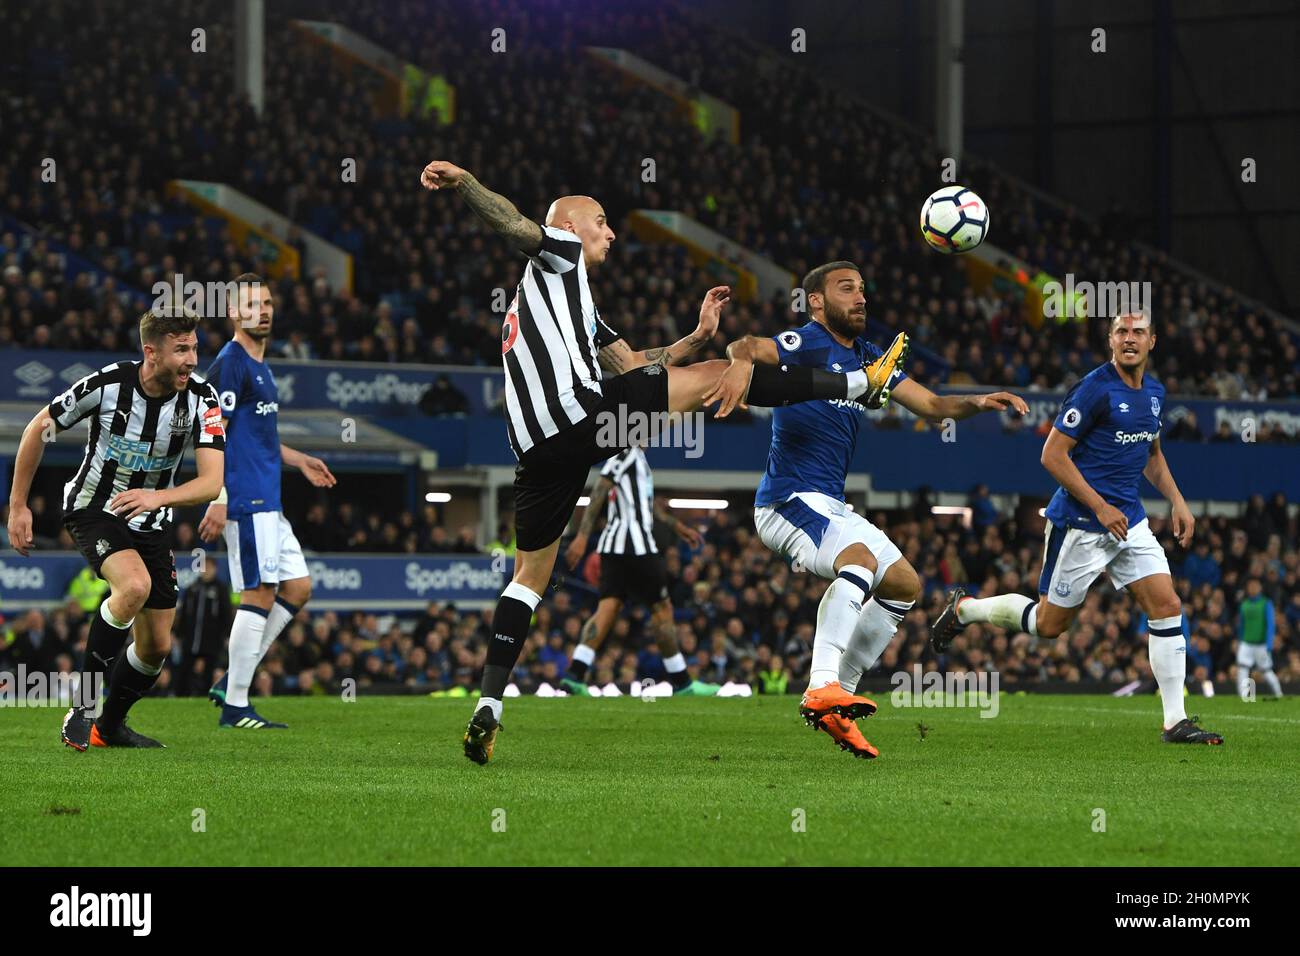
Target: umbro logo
x,y
75,373
1123,406
33,373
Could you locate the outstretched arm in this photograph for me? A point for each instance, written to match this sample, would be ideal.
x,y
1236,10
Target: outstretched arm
x,y
919,400
1157,472
494,209
733,384
619,357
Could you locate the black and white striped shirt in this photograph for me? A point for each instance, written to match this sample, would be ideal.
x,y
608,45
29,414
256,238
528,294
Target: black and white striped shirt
x,y
549,342
135,441
630,518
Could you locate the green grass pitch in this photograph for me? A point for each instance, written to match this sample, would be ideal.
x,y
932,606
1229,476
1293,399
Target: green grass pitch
x,y
587,781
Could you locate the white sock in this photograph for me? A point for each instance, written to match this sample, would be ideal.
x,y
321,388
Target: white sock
x,y
153,670
675,664
876,627
837,616
491,702
1243,682
276,622
1167,651
585,653
110,620
1015,612
1274,685
245,651
857,382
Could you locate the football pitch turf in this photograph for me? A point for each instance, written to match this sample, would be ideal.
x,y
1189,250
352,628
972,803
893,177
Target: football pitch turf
x,y
382,781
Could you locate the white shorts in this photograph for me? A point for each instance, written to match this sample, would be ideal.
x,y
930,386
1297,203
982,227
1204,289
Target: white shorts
x,y
262,549
810,529
1253,657
1073,558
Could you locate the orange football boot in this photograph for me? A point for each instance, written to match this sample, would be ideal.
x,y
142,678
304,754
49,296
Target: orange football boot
x,y
834,699
847,737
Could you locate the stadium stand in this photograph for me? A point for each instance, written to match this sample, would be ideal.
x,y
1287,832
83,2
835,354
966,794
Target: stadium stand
x,y
432,263
812,178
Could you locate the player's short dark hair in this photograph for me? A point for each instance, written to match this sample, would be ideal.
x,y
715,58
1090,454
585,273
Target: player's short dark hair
x,y
245,280
815,281
158,323
1144,313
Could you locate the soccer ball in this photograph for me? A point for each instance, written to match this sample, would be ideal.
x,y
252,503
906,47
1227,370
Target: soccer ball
x,y
954,219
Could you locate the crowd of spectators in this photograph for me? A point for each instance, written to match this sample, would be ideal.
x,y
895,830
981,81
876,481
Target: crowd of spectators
x,y
809,181
743,615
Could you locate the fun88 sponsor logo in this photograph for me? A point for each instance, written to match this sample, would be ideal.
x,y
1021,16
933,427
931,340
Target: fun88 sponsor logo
x,y
1130,438
457,576
343,390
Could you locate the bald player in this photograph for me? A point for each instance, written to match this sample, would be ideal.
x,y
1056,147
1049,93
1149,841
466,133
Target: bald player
x,y
568,374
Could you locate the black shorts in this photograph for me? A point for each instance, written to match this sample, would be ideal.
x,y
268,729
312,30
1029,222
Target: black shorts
x,y
551,476
642,579
99,534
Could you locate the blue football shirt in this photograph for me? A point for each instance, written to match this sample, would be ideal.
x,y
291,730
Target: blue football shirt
x,y
250,402
813,442
1114,427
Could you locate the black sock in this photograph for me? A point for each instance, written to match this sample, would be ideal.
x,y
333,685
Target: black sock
x,y
103,646
577,669
775,385
509,631
126,685
679,679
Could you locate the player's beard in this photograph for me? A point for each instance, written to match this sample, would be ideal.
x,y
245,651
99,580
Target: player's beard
x,y
1129,362
173,378
842,322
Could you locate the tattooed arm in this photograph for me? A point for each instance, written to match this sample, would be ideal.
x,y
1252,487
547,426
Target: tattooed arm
x,y
619,357
494,209
578,546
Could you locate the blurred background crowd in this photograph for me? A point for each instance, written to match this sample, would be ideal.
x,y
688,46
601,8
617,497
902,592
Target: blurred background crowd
x,y
743,615
809,181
